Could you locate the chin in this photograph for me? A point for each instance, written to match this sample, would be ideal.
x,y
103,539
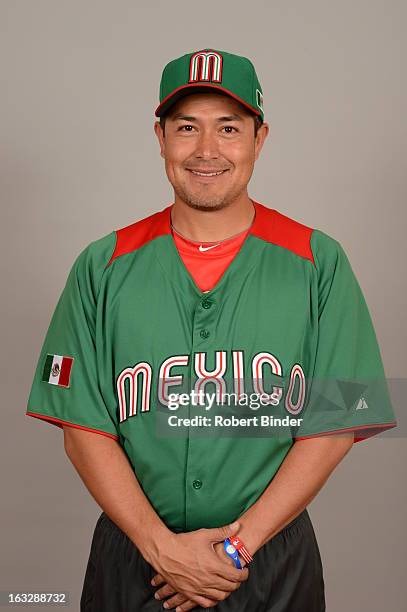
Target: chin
x,y
203,203
207,200
207,206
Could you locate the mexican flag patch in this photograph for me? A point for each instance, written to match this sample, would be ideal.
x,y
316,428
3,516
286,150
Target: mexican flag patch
x,y
57,370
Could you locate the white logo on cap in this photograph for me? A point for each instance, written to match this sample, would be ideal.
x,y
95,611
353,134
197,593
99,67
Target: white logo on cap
x,y
259,99
205,66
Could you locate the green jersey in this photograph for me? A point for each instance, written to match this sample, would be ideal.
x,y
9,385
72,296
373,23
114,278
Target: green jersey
x,y
132,331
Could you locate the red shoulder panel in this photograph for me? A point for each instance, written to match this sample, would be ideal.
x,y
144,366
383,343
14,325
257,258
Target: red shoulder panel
x,y
139,233
272,226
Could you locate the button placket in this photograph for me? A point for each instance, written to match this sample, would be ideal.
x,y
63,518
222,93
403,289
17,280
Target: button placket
x,y
204,319
206,303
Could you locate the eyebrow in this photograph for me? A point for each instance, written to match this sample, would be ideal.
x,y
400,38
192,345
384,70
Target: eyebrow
x,y
232,117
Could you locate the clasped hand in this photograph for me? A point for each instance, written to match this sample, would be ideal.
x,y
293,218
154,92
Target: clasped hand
x,y
194,569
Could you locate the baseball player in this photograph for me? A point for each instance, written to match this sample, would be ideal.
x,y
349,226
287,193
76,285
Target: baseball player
x,y
212,297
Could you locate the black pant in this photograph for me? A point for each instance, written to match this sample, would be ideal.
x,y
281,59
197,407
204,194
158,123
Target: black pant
x,y
285,576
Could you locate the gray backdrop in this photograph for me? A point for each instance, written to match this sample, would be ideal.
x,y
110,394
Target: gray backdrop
x,y
79,86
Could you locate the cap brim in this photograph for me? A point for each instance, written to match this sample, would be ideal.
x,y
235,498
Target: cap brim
x,y
178,93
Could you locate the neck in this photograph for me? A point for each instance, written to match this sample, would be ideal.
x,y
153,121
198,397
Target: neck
x,y
212,225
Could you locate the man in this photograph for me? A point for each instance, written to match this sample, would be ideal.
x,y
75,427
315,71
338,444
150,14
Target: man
x,y
215,294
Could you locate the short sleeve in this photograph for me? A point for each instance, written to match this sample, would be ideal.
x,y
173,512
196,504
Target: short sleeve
x,y
66,388
347,389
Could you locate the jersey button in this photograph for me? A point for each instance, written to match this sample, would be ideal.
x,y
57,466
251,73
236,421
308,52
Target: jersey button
x,y
197,484
204,333
206,303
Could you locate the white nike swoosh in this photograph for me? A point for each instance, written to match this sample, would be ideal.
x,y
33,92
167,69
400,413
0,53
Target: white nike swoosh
x,y
202,248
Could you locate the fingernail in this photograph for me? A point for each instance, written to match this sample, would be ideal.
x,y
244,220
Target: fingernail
x,y
152,582
165,605
156,595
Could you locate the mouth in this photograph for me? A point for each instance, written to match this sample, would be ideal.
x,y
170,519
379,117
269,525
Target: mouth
x,y
207,175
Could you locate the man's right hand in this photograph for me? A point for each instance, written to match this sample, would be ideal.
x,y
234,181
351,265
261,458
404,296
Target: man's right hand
x,y
189,563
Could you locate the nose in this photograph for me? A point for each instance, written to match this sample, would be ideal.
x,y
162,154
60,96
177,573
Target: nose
x,y
207,145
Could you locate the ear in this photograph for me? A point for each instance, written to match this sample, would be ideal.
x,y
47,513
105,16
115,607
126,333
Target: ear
x,y
161,139
261,136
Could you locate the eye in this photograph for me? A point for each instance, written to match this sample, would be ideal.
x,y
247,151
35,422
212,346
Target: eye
x,y
230,127
185,126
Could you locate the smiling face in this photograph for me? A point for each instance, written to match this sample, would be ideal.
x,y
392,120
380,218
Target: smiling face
x,y
210,148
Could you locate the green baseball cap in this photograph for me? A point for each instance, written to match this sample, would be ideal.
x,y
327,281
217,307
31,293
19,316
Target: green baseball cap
x,y
211,70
